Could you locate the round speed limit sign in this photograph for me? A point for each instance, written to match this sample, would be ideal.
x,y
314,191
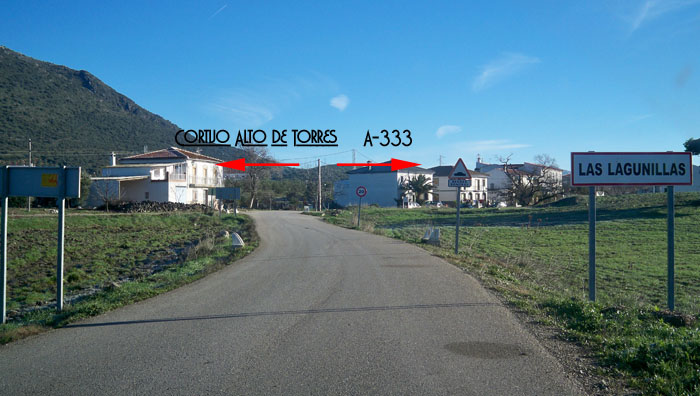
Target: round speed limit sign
x,y
361,191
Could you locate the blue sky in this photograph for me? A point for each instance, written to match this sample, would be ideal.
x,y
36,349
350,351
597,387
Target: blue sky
x,y
491,78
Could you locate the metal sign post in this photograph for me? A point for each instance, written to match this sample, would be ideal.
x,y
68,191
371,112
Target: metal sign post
x,y
620,169
360,191
671,250
591,243
458,201
61,203
3,256
359,210
23,181
459,177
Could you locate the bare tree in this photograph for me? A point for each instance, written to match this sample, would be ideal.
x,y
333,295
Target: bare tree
x,y
531,184
255,174
178,193
107,191
546,160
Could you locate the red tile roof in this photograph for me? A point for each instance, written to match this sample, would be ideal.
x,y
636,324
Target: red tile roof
x,y
172,152
519,172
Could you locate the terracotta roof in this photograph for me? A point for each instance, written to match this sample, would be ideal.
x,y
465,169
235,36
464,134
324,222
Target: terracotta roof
x,y
172,152
519,172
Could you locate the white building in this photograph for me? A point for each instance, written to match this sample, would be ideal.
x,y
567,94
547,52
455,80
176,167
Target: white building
x,y
499,181
476,194
383,186
497,178
168,175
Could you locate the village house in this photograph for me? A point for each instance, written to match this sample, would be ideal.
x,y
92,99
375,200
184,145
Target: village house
x,y
384,187
168,175
499,176
477,194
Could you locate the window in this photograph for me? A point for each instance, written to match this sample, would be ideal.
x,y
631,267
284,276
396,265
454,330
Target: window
x,y
436,182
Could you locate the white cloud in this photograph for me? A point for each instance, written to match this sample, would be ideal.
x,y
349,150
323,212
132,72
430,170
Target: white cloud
x,y
652,9
259,103
446,130
218,11
495,145
340,102
638,118
501,68
248,115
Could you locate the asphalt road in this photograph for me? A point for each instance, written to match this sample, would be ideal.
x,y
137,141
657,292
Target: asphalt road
x,y
316,310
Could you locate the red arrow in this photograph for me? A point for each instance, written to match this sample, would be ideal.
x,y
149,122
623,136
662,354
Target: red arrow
x,y
395,164
240,164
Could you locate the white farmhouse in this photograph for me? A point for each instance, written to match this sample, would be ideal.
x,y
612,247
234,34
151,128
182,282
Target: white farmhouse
x,y
476,194
168,175
383,186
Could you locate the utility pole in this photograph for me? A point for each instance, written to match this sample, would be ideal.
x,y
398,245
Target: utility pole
x,y
319,184
29,199
440,159
353,159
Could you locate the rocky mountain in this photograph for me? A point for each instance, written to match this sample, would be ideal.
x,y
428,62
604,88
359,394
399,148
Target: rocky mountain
x,y
73,118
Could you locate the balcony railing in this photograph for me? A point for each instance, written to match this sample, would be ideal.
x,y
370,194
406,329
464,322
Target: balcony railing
x,y
205,182
177,176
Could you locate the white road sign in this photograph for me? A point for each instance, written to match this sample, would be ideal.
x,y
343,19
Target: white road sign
x,y
610,169
459,182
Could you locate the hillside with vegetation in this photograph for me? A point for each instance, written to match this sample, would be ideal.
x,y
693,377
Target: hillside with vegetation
x,y
288,187
131,258
73,118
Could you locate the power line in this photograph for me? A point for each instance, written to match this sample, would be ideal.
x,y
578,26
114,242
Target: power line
x,y
315,156
360,152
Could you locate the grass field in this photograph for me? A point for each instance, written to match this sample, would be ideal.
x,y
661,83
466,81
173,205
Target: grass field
x,y
537,258
110,260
